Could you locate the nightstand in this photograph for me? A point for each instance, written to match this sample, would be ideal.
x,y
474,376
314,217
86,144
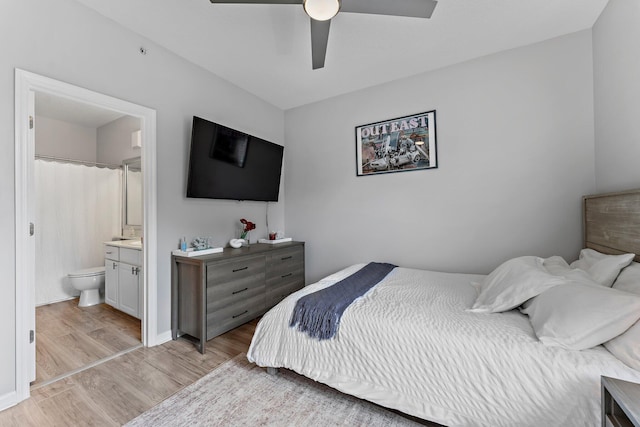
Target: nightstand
x,y
620,403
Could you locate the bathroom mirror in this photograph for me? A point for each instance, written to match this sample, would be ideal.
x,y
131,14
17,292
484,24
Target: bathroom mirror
x,y
132,196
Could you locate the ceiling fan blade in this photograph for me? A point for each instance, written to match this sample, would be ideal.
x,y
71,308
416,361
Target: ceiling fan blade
x,y
319,40
257,1
412,8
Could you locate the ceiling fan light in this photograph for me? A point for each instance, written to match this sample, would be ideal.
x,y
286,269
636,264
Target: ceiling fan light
x,y
321,10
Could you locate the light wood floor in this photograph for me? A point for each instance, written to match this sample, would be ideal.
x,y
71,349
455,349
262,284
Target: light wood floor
x,y
118,390
69,337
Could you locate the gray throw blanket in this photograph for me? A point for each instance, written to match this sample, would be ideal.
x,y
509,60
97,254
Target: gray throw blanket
x,y
318,314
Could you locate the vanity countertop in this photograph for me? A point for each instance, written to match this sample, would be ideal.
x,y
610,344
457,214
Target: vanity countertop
x,y
129,244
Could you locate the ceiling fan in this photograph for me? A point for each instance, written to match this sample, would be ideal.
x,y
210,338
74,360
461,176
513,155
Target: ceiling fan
x,y
321,11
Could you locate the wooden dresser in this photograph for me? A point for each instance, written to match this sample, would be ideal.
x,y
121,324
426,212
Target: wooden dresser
x,y
215,293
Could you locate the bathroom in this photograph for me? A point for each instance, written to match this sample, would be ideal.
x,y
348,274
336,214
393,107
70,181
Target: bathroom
x,y
88,191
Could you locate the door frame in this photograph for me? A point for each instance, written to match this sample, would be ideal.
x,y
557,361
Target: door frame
x,y
26,84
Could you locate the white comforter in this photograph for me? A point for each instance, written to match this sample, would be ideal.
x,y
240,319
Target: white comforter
x,y
409,344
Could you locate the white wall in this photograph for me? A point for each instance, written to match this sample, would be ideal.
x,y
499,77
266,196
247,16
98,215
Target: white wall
x,y
515,152
616,47
57,138
64,40
114,140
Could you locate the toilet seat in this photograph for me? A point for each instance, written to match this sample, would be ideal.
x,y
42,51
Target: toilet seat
x,y
94,271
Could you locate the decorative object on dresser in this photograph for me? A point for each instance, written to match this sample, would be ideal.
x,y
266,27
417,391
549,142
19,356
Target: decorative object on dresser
x,y
212,294
199,246
236,243
275,241
245,231
620,403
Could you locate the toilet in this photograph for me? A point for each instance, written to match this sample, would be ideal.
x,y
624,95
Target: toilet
x,y
90,283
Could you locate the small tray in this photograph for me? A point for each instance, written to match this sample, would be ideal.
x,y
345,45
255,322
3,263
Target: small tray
x,y
276,241
192,252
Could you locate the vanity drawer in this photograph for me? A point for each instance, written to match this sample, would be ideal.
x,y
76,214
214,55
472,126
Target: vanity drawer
x,y
112,252
130,256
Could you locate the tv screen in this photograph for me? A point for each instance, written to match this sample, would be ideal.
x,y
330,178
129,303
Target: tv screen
x,y
227,164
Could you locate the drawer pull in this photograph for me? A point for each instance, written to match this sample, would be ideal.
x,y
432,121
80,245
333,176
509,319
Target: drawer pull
x,y
241,314
286,275
240,269
241,290
286,258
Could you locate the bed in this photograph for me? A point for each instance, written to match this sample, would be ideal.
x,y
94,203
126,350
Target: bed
x,y
414,343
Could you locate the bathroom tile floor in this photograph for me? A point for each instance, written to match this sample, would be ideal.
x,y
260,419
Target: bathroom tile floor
x,y
69,337
116,391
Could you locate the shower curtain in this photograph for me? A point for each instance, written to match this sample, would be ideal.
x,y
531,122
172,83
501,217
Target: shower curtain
x,y
78,208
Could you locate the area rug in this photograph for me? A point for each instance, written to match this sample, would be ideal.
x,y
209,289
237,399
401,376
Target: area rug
x,y
239,393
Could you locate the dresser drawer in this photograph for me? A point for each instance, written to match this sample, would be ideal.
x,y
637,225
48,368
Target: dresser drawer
x,y
226,318
222,296
246,269
233,281
284,262
283,289
112,252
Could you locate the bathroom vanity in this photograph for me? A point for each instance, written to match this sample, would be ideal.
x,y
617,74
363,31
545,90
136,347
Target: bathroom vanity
x,y
123,276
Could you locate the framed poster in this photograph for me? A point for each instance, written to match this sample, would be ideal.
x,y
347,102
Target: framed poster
x,y
403,144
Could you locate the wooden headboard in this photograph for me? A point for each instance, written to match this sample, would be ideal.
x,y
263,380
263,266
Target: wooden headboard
x,y
611,222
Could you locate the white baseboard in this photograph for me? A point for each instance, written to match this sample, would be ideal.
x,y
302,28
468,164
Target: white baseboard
x,y
163,338
8,400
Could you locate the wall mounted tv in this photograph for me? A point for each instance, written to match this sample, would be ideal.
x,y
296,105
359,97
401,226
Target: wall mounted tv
x,y
227,164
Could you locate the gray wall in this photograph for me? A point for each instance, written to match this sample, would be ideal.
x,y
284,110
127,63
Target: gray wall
x,y
114,140
616,48
64,40
57,138
515,151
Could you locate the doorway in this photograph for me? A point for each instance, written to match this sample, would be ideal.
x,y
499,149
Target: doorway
x,y
88,190
27,86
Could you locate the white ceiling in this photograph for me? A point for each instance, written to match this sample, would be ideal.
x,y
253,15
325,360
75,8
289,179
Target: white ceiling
x,y
266,49
66,110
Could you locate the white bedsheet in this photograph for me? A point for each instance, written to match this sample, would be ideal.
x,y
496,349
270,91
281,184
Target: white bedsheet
x,y
420,352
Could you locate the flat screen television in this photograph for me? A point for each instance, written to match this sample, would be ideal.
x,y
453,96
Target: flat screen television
x,y
228,164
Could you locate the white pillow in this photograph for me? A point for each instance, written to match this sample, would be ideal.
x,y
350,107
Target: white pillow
x,y
629,279
626,347
601,267
512,283
581,314
557,266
